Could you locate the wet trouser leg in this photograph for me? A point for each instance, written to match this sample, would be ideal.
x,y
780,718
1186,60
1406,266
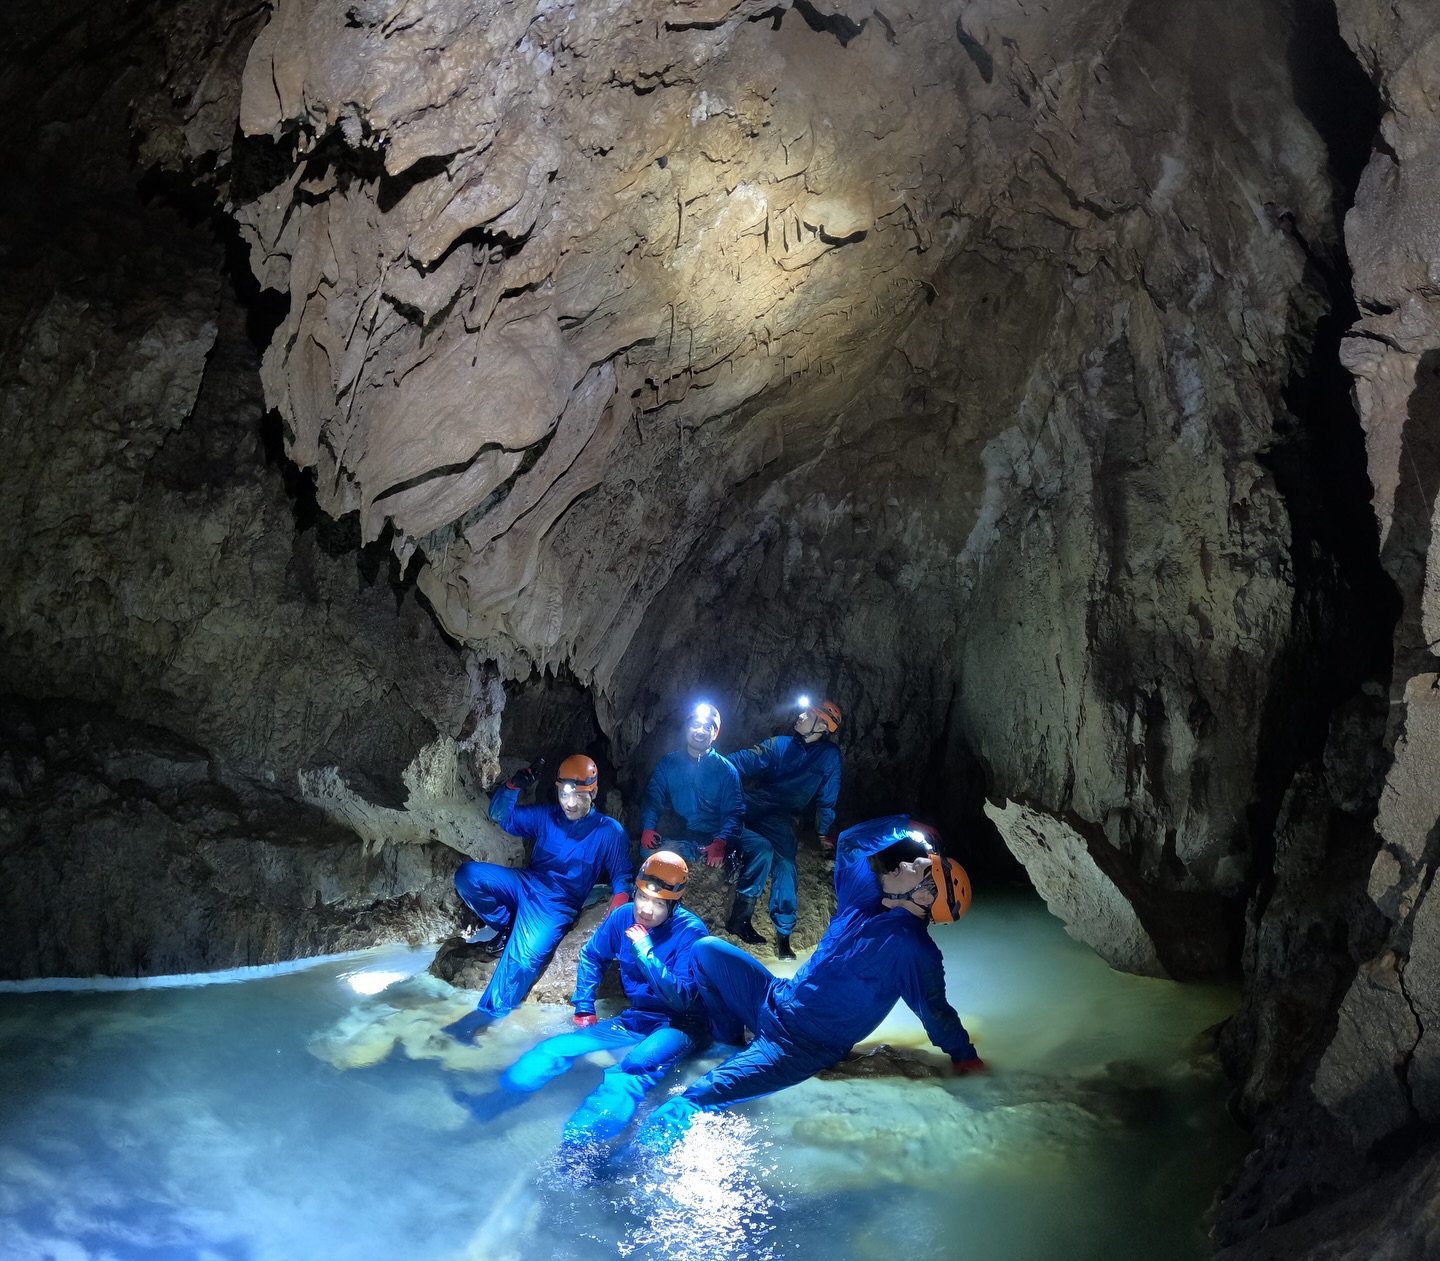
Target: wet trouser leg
x,y
608,1108
547,1060
539,925
734,986
780,832
761,1068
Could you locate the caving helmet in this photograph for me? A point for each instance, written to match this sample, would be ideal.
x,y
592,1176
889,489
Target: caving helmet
x,y
829,713
952,890
663,875
580,773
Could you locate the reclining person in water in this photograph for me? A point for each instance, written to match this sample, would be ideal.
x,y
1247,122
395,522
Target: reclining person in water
x,y
529,909
654,940
890,884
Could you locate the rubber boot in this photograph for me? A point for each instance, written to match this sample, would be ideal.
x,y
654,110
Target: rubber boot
x,y
739,925
782,946
494,946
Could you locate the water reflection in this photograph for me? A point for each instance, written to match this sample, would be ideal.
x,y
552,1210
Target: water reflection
x,y
299,1115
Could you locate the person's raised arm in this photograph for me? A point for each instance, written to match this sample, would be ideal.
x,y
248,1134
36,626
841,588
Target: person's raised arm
x,y
505,814
753,760
855,883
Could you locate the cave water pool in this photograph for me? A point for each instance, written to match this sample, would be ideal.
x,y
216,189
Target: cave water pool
x,y
310,1112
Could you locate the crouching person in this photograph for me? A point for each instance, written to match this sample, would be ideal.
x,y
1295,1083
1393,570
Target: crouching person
x,y
654,940
528,909
890,885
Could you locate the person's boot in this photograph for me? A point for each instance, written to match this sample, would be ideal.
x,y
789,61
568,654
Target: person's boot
x,y
494,947
782,946
738,925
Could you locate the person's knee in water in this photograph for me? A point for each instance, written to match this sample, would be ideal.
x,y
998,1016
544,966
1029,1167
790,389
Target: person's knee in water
x,y
529,909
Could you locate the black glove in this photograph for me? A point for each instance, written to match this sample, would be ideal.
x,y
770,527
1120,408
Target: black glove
x,y
523,778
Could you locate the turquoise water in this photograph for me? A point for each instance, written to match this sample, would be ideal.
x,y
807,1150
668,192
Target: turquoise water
x,y
296,1116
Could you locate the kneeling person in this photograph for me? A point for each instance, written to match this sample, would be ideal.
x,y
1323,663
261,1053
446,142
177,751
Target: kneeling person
x,y
530,908
890,885
666,1019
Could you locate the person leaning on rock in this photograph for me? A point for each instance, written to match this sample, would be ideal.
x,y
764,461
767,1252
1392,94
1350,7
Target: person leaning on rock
x,y
529,909
697,788
890,885
781,776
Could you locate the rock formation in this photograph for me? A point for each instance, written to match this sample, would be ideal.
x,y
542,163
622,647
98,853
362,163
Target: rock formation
x,y
381,374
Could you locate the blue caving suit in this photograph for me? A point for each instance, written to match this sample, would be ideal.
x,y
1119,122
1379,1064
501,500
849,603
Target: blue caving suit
x,y
782,774
543,898
703,792
868,958
666,1020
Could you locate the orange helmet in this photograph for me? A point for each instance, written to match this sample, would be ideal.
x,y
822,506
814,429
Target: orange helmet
x,y
580,773
829,713
952,890
663,875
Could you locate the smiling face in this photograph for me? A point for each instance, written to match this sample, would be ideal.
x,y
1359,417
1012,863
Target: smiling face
x,y
700,733
575,804
650,911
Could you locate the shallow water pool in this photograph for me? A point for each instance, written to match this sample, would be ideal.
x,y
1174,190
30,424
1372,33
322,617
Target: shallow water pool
x,y
312,1114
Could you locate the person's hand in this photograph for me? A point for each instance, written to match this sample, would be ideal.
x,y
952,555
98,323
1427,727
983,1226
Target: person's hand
x,y
638,933
827,842
526,775
619,899
715,852
649,839
584,1019
969,1068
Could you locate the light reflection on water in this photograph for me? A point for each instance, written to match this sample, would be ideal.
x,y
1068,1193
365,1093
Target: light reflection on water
x,y
300,1116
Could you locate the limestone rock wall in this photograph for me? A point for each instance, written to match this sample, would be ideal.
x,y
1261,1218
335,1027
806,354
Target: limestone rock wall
x,y
159,575
1343,1062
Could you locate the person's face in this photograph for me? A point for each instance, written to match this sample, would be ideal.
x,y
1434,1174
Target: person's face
x,y
699,734
809,724
913,878
650,911
574,803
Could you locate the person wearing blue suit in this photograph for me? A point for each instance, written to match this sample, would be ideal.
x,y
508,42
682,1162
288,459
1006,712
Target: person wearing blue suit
x,y
781,776
698,793
890,884
666,1020
529,909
